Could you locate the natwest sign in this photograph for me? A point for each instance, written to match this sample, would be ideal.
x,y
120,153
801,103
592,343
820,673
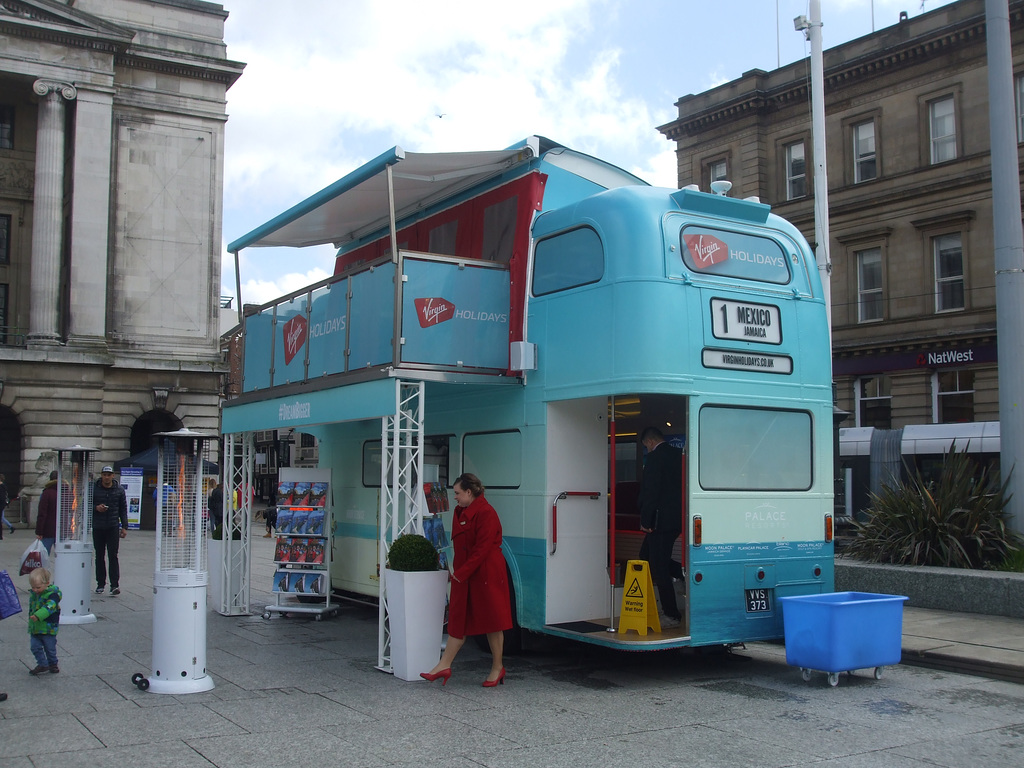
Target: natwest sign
x,y
433,311
861,365
947,357
295,332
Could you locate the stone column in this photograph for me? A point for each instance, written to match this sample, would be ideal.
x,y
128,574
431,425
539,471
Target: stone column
x,y
47,208
90,217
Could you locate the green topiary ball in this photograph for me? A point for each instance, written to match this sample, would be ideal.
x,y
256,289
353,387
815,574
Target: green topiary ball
x,y
412,552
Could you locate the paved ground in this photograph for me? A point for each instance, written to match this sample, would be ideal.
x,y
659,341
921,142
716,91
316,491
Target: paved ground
x,y
296,692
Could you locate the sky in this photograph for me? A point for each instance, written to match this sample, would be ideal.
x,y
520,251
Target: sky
x,y
331,84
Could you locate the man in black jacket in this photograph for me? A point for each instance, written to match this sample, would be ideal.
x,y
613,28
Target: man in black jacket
x,y
661,516
109,526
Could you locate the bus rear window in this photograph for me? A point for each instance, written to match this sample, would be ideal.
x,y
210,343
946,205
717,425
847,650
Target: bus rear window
x,y
754,449
732,254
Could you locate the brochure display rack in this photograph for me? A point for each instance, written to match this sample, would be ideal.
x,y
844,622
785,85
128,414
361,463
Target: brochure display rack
x,y
433,526
302,550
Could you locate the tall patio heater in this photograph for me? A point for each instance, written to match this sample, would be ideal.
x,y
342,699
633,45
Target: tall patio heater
x,y
180,579
72,550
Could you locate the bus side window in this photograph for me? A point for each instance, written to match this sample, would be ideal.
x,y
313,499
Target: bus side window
x,y
567,260
500,230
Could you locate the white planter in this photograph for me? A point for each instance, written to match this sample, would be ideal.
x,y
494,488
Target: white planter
x,y
221,602
416,614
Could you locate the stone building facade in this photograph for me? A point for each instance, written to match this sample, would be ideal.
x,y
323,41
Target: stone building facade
x,y
112,116
910,203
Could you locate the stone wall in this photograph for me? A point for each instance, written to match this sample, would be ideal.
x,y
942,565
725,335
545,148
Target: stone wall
x,y
994,593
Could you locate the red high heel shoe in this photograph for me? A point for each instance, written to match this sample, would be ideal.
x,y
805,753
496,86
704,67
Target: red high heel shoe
x,y
444,674
495,683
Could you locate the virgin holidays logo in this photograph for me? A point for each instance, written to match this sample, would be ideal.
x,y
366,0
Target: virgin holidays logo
x,y
295,332
433,311
706,250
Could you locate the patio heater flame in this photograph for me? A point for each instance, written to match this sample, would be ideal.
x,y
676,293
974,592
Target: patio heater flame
x,y
74,500
181,496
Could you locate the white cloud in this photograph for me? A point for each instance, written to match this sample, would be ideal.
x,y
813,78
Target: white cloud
x,y
325,91
269,273
329,85
264,291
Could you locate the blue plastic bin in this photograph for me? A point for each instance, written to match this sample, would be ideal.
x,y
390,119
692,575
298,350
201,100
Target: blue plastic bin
x,y
843,631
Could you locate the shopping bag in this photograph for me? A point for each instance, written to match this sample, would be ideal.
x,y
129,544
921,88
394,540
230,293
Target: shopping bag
x,y
33,557
9,602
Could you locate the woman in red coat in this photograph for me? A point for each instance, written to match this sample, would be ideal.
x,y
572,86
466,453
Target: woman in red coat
x,y
479,602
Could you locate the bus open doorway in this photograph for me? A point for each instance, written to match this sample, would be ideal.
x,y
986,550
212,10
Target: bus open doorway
x,y
592,541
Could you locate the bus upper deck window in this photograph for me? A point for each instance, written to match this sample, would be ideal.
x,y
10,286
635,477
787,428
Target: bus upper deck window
x,y
734,254
567,260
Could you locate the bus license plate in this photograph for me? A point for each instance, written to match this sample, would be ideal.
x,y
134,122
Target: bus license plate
x,y
758,600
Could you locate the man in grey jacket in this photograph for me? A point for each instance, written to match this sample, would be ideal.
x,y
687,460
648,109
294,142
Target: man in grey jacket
x,y
109,526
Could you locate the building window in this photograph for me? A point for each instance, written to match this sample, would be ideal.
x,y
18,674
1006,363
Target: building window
x,y
796,171
874,402
865,165
942,130
4,290
954,396
5,239
6,126
1018,98
718,170
869,285
949,272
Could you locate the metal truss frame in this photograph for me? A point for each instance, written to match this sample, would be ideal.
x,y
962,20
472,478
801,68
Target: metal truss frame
x,y
401,483
239,456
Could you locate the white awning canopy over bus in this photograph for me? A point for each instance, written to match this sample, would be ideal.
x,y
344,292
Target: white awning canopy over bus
x,y
358,204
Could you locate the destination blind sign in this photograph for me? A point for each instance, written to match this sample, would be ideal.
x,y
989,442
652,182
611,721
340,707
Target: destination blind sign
x,y
745,321
746,361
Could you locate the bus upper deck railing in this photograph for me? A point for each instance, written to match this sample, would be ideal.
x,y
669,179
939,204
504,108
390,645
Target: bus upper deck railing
x,y
444,313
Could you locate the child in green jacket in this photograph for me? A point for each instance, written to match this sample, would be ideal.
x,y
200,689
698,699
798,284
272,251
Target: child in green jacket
x,y
43,621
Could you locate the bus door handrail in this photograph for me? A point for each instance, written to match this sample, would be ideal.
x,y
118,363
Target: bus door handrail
x,y
595,495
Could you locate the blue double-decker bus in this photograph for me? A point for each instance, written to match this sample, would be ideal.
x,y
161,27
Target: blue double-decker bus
x,y
522,315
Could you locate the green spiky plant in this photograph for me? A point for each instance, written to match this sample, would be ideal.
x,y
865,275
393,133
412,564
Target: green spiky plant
x,y
957,520
412,552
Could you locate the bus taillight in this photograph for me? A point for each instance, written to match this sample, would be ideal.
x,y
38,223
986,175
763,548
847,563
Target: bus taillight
x,y
828,528
697,535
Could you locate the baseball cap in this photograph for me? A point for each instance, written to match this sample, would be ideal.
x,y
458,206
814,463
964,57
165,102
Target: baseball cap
x,y
107,468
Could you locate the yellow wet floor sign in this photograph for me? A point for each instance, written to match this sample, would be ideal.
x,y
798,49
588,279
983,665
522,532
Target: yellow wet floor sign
x,y
639,610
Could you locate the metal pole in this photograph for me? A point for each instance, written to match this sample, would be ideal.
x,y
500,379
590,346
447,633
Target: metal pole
x,y
1008,243
812,30
396,259
821,233
238,288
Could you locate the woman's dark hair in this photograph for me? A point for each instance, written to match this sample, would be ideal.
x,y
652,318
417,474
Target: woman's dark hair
x,y
470,482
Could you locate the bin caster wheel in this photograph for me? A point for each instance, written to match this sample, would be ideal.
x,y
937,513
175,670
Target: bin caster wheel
x,y
878,673
833,679
266,615
136,677
319,617
142,684
805,674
